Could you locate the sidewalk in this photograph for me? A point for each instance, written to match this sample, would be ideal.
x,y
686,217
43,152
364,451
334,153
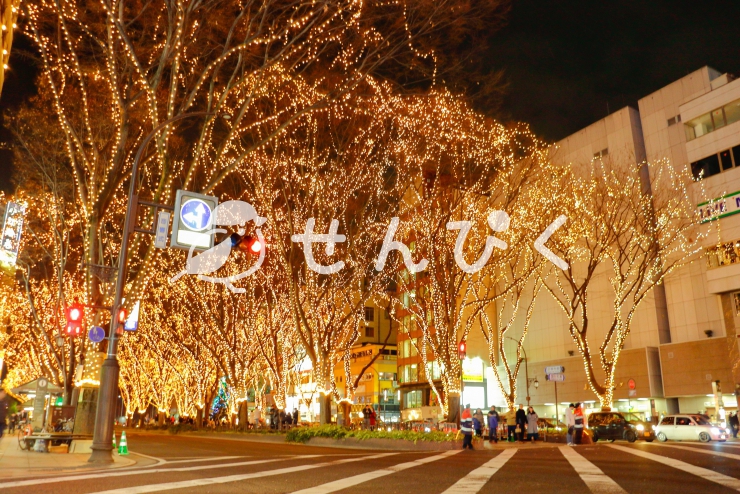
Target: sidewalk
x,y
14,462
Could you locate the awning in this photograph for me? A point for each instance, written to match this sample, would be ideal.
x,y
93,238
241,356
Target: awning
x,y
30,388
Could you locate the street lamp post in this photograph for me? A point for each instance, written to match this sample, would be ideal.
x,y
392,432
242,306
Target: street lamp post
x,y
526,371
103,433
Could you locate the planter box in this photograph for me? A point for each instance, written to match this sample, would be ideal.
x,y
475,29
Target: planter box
x,y
386,444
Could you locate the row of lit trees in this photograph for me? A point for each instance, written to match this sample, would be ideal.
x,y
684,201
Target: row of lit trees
x,y
321,125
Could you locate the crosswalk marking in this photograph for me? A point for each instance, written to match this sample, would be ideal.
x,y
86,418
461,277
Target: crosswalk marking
x,y
208,458
704,473
591,475
234,478
143,471
475,480
701,450
340,484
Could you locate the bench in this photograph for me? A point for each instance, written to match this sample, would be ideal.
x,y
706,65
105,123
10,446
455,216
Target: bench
x,y
55,438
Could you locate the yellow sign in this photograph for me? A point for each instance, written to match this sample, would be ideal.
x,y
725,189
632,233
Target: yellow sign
x,y
472,370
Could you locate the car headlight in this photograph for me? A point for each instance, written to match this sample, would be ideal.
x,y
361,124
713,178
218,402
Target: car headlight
x,y
715,430
655,428
640,427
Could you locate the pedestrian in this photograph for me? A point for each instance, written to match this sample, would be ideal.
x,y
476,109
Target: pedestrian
x,y
373,418
510,418
578,416
492,425
478,423
256,417
295,416
570,423
466,427
521,422
366,418
3,415
734,424
532,431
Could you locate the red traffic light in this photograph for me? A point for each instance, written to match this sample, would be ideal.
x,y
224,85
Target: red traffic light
x,y
462,349
74,314
246,243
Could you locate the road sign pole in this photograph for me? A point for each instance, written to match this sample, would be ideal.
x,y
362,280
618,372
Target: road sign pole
x,y
108,392
557,416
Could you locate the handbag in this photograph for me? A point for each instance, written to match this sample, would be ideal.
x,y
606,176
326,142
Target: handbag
x,y
518,429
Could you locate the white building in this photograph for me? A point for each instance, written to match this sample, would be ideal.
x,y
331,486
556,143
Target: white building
x,y
685,338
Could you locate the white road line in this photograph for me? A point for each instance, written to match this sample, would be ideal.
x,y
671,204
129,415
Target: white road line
x,y
120,472
208,458
700,450
594,478
233,478
340,484
704,473
475,480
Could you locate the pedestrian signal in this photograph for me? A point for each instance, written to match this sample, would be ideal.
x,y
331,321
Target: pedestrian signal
x,y
74,315
462,350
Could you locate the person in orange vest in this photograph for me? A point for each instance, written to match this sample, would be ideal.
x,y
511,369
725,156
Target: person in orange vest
x,y
578,415
466,427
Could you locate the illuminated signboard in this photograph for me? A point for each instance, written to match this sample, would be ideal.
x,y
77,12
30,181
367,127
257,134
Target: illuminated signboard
x,y
10,241
472,370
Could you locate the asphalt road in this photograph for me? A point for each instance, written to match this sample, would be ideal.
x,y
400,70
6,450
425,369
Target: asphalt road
x,y
187,464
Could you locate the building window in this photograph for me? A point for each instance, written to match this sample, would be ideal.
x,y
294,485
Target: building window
x,y
715,119
736,297
601,154
369,332
413,399
732,112
725,158
674,120
369,313
699,126
705,167
723,254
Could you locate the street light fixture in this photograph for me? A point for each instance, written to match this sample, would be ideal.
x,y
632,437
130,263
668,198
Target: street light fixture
x,y
105,413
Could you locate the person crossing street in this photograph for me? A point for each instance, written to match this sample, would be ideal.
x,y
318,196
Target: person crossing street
x,y
466,427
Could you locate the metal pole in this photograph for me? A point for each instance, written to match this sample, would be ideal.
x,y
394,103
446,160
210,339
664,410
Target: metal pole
x,y
557,417
102,445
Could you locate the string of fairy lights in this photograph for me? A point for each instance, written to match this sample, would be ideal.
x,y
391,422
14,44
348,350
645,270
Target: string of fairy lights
x,y
308,137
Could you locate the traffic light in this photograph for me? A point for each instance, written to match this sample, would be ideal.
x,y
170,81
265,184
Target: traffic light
x,y
462,350
246,243
121,317
74,314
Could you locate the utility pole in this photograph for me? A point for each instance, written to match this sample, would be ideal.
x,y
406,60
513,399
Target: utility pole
x,y
105,414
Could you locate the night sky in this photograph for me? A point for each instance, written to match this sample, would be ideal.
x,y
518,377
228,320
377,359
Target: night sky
x,y
567,63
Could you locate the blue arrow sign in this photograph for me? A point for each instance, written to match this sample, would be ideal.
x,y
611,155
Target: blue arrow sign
x,y
96,334
196,215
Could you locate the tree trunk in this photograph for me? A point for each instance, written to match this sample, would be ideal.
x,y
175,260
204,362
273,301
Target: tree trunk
x,y
346,412
198,418
453,408
161,418
325,409
243,415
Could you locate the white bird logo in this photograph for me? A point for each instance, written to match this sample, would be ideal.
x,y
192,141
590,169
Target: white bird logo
x,y
229,213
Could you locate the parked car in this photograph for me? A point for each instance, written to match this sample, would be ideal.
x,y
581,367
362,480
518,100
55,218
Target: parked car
x,y
688,428
548,425
613,426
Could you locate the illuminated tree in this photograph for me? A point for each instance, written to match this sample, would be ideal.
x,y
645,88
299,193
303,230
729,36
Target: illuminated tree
x,y
461,168
620,241
112,71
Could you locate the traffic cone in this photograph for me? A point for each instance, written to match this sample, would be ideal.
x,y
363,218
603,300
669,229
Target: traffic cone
x,y
123,446
114,442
